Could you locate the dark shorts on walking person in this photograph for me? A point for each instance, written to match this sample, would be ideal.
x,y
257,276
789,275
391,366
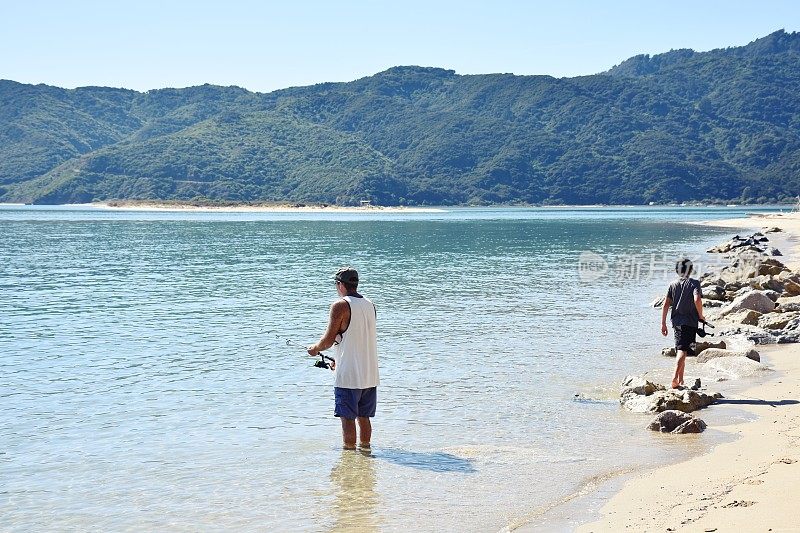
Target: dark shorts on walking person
x,y
685,337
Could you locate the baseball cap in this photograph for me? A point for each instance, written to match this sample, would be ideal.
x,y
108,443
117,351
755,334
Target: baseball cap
x,y
347,275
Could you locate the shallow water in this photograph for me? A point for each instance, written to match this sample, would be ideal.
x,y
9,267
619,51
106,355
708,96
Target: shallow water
x,y
147,382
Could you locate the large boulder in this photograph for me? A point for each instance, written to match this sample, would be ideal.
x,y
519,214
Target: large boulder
x,y
714,353
676,422
755,300
736,367
777,320
667,399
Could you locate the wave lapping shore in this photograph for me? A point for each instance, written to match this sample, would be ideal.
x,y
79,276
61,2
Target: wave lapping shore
x,y
750,483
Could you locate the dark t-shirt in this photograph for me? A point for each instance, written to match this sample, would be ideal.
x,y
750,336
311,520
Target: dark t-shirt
x,y
682,293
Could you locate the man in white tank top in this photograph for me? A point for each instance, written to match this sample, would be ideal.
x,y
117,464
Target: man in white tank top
x,y
351,328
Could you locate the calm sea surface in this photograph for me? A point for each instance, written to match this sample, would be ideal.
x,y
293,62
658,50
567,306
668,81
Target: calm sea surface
x,y
150,379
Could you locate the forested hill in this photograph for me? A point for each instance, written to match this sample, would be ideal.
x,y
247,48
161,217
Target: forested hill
x,y
710,126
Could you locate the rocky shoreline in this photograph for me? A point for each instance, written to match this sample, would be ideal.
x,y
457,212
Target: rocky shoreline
x,y
753,300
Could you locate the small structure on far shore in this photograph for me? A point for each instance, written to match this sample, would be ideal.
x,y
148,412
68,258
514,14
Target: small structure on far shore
x,y
366,203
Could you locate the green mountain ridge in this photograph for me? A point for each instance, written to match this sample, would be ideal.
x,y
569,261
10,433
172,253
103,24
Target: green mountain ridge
x,y
680,126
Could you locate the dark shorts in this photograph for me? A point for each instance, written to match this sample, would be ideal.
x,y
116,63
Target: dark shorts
x,y
685,337
352,403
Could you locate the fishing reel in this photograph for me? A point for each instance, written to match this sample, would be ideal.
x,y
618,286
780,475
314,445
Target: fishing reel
x,y
702,332
322,363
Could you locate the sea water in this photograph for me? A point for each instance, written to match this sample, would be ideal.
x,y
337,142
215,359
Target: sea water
x,y
152,375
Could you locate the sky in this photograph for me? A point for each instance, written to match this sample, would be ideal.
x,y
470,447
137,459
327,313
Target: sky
x,y
267,45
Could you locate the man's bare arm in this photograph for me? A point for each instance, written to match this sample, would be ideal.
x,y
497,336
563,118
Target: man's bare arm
x,y
339,314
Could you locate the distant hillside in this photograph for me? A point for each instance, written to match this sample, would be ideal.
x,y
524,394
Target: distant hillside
x,y
713,126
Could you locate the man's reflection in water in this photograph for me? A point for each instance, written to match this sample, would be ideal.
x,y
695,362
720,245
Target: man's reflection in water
x,y
355,505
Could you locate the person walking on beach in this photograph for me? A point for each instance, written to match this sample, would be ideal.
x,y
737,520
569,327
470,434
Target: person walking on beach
x,y
351,327
685,299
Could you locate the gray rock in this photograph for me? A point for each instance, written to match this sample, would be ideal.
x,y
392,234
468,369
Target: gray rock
x,y
788,307
676,422
714,353
669,352
773,252
773,229
755,300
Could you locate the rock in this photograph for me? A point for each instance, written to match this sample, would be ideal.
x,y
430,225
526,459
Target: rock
x,y
791,287
672,399
767,283
745,316
737,367
639,385
770,266
772,295
773,252
777,320
714,295
788,307
701,346
673,421
712,303
669,352
773,229
755,300
714,353
710,280
658,302
720,248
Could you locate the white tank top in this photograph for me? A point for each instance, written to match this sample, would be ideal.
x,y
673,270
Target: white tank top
x,y
357,352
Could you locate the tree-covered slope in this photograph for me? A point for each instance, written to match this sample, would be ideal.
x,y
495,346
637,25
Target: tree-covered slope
x,y
680,126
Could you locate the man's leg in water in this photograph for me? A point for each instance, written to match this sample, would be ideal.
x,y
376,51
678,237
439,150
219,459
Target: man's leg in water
x,y
680,364
365,431
349,433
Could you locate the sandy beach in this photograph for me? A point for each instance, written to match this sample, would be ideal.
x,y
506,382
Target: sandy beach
x,y
749,484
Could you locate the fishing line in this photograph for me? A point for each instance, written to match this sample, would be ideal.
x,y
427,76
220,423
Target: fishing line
x,y
323,359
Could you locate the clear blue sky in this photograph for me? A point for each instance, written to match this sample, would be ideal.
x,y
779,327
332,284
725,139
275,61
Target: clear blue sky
x,y
263,46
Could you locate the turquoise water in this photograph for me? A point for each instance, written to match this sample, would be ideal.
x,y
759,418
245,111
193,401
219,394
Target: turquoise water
x,y
147,383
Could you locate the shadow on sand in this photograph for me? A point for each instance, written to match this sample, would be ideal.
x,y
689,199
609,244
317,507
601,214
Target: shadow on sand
x,y
754,401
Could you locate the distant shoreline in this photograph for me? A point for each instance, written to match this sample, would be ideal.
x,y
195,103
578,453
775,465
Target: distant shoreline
x,y
135,205
187,205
